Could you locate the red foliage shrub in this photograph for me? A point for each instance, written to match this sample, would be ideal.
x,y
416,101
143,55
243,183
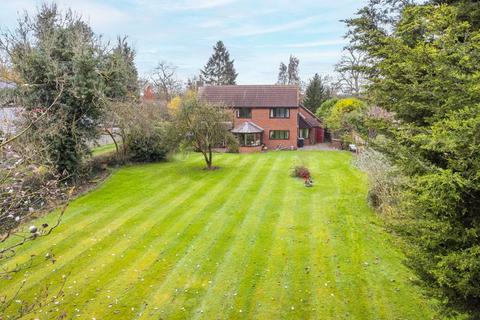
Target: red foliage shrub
x,y
301,172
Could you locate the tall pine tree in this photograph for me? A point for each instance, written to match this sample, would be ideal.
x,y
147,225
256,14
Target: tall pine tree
x,y
219,69
316,93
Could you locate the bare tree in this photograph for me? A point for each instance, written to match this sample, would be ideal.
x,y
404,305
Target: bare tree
x,y
282,74
165,80
204,127
293,74
351,72
194,82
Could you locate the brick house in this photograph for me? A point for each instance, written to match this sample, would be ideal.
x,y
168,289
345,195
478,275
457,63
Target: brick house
x,y
266,116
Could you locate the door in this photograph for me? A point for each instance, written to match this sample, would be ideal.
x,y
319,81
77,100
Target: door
x,y
319,135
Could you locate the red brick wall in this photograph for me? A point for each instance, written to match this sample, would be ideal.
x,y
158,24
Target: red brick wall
x,y
261,117
249,149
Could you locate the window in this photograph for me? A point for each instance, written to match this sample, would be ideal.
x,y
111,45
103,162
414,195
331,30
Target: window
x,y
244,113
250,139
279,134
279,113
304,133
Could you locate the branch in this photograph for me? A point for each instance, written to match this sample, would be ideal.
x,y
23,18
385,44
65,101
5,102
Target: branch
x,y
3,144
34,235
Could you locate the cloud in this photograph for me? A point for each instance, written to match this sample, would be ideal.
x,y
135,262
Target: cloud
x,y
309,44
258,34
212,23
100,16
184,4
313,44
257,30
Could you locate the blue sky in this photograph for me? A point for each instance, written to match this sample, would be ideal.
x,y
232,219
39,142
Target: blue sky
x,y
258,34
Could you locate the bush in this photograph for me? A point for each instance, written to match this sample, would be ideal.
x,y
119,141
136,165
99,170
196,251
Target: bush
x,y
301,172
342,112
324,109
385,182
148,144
232,145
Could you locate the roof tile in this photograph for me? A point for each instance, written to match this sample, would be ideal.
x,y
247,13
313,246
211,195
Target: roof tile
x,y
251,95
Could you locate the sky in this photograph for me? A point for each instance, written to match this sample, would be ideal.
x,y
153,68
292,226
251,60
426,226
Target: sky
x,y
258,34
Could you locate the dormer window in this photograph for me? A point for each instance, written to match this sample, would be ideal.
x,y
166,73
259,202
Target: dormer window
x,y
279,113
244,113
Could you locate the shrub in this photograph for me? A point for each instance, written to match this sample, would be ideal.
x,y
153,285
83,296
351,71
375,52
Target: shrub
x,y
148,144
324,110
385,182
301,172
342,111
232,145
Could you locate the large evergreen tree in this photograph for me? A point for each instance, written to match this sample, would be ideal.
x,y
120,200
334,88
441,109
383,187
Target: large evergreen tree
x,y
315,94
219,69
65,78
425,68
121,74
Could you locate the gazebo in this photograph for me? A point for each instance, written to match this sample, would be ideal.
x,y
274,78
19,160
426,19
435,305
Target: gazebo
x,y
249,134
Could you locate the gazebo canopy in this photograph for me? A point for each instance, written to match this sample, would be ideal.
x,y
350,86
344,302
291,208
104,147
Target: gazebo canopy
x,y
247,127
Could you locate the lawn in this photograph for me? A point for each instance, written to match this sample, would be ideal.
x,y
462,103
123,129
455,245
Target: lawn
x,y
173,241
102,150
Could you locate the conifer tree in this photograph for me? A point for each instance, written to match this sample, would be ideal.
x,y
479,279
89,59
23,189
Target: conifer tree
x,y
219,69
315,94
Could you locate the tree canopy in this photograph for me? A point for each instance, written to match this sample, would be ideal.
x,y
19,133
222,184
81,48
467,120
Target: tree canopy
x,y
219,69
317,92
203,126
424,66
289,75
66,75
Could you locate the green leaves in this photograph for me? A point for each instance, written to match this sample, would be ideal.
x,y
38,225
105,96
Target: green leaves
x,y
66,71
219,69
427,71
315,94
346,114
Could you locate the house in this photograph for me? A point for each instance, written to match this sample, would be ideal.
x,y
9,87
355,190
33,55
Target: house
x,y
266,116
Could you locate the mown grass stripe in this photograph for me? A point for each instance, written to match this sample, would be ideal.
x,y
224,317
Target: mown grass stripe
x,y
108,235
256,257
74,229
249,227
215,246
245,212
204,211
153,232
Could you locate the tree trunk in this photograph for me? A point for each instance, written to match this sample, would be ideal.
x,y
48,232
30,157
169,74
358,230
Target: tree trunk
x,y
207,160
113,139
210,156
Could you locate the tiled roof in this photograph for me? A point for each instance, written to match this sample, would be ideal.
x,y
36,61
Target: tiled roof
x,y
266,96
247,127
309,118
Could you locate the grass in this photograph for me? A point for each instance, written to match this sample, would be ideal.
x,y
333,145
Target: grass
x,y
102,150
173,241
